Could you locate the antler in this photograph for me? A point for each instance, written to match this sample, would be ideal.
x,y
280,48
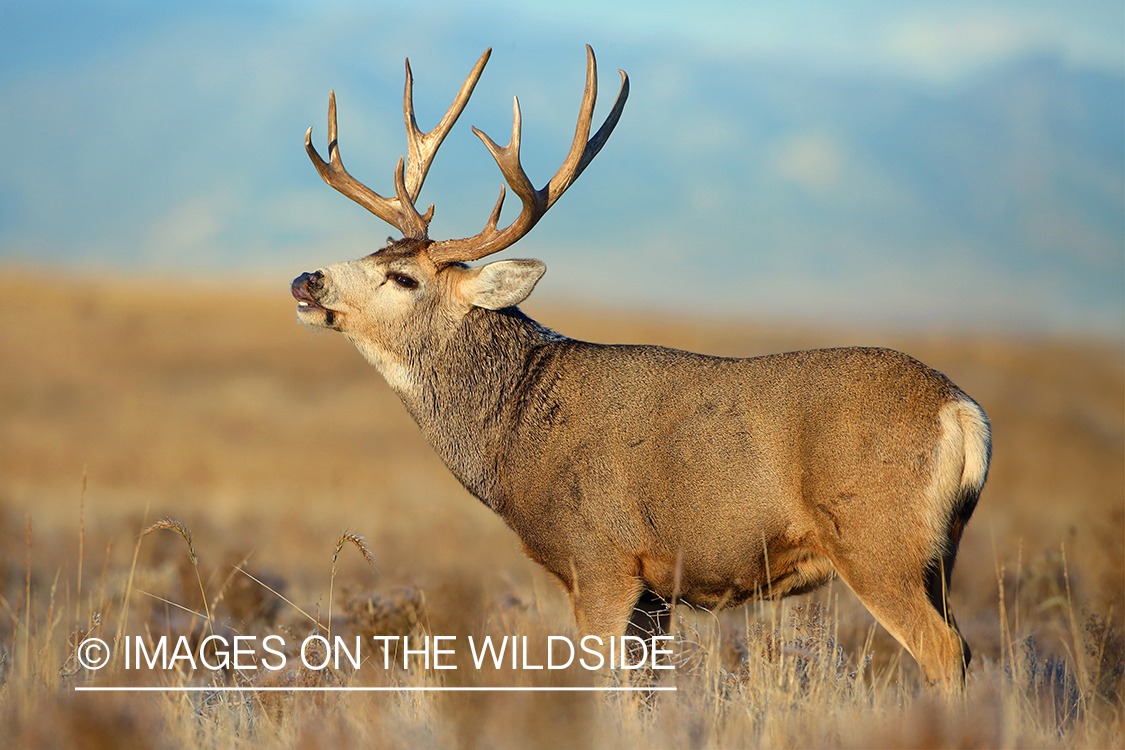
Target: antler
x,y
535,202
421,148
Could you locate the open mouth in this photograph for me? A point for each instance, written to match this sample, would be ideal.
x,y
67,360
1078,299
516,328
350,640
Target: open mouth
x,y
301,293
308,309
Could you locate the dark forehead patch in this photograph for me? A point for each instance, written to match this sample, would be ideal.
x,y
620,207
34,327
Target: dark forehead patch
x,y
404,248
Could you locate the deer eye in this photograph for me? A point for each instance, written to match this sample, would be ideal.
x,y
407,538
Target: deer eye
x,y
406,282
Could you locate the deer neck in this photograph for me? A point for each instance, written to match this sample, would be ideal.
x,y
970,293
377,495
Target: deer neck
x,y
467,391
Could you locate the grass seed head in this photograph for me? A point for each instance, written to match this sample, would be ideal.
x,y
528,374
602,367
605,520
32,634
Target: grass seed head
x,y
180,529
360,544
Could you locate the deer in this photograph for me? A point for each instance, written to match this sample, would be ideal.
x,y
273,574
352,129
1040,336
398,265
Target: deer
x,y
643,476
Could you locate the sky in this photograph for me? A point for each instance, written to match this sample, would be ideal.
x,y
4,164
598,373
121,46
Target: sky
x,y
928,164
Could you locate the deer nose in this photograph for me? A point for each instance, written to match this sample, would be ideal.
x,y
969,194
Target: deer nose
x,y
307,284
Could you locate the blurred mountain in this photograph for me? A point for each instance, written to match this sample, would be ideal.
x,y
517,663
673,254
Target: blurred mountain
x,y
1019,173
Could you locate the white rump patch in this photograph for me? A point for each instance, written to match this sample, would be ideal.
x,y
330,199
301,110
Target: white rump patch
x,y
960,462
978,444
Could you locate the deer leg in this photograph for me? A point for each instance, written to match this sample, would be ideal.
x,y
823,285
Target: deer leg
x,y
651,616
899,599
603,605
937,577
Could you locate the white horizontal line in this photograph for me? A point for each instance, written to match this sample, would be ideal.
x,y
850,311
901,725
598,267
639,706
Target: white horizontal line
x,y
331,689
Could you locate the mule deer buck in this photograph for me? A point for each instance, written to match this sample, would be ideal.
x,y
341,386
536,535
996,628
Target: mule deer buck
x,y
641,475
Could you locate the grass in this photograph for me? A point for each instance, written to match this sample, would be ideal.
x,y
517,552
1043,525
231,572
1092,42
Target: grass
x,y
256,443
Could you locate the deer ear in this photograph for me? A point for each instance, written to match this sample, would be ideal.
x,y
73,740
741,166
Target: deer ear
x,y
501,284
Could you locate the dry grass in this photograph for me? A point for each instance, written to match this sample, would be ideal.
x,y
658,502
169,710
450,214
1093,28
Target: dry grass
x,y
124,403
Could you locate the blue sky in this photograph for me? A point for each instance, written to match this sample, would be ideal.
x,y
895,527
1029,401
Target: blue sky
x,y
928,163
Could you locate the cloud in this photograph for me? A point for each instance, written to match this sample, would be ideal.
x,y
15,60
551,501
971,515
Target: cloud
x,y
813,160
945,44
191,231
936,41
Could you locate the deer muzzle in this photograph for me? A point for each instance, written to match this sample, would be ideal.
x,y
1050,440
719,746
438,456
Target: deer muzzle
x,y
305,288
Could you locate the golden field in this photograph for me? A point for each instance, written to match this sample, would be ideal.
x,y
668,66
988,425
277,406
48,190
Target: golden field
x,y
126,402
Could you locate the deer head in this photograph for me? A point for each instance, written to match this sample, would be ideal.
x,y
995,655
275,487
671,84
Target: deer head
x,y
417,289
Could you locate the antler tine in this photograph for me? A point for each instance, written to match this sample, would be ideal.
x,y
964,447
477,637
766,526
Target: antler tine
x,y
508,159
398,211
535,202
584,149
421,147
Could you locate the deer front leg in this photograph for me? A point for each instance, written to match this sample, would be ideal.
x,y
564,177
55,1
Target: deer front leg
x,y
603,605
610,606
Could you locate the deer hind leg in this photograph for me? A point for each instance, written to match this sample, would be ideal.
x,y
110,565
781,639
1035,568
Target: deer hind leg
x,y
898,594
937,578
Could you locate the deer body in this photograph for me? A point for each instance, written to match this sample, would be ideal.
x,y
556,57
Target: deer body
x,y
641,475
